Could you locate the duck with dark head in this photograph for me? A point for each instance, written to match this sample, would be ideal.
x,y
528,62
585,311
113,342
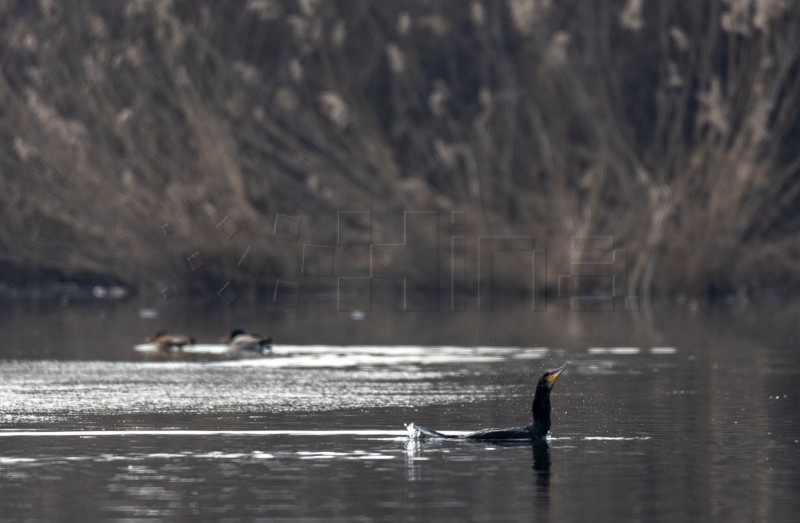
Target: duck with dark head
x,y
241,340
540,408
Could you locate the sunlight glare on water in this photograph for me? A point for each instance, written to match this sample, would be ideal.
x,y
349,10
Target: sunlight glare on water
x,y
313,431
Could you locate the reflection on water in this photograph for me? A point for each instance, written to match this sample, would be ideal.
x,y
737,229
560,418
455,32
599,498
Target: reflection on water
x,y
689,417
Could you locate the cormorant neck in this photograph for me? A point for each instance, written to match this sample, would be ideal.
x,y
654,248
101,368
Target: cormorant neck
x,y
541,411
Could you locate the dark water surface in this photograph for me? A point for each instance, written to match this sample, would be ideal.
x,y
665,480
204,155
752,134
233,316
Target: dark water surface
x,y
687,415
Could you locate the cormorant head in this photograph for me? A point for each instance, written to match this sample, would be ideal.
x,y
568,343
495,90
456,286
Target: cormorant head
x,y
549,378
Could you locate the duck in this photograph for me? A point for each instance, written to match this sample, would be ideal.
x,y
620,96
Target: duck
x,y
164,342
241,340
537,431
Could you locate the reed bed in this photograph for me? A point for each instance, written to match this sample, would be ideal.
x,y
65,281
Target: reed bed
x,y
134,129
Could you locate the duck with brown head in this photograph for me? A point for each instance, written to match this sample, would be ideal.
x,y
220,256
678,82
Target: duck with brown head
x,y
540,409
164,342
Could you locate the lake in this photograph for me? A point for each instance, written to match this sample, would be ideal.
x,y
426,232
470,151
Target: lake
x,y
689,413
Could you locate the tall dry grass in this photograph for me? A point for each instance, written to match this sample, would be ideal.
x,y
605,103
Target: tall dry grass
x,y
671,127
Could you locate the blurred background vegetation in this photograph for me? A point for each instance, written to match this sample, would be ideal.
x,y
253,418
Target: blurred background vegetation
x,y
671,126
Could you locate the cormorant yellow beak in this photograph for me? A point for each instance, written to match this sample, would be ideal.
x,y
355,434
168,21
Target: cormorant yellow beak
x,y
554,374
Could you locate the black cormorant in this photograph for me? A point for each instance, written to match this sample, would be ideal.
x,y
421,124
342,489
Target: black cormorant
x,y
541,417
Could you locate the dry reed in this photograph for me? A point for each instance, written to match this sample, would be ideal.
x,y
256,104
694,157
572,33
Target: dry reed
x,y
673,130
